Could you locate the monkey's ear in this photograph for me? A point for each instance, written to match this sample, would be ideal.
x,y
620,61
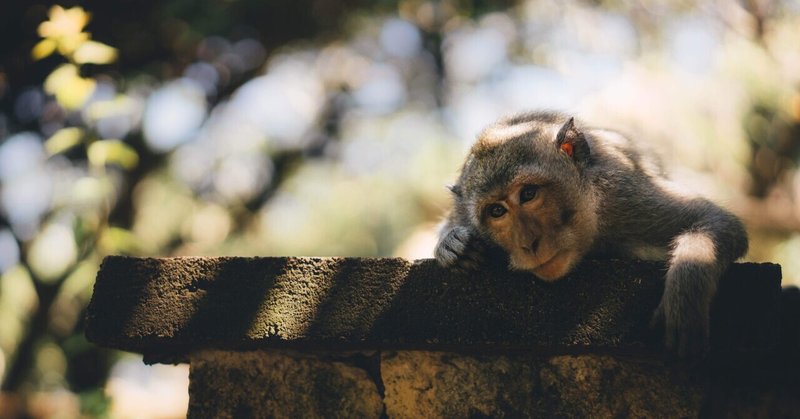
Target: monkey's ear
x,y
455,189
572,142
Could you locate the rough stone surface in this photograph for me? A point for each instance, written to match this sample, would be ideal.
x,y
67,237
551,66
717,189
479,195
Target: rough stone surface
x,y
431,384
175,305
445,385
278,384
375,338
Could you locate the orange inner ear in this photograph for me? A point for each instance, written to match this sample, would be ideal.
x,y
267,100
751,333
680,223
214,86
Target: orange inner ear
x,y
567,148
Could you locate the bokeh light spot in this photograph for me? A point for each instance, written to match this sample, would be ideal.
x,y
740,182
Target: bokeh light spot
x,y
19,154
382,90
173,114
53,252
9,250
472,54
400,38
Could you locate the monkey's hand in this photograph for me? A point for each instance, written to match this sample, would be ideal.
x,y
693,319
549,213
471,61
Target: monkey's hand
x,y
459,248
685,322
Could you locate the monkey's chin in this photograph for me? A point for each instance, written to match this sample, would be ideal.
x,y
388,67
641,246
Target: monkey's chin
x,y
551,270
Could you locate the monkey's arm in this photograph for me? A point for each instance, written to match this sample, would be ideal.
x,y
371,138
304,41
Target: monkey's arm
x,y
698,256
702,240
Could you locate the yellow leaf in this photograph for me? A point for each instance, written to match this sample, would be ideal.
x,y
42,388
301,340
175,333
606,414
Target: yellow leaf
x,y
63,139
60,77
95,53
116,152
70,89
65,29
64,22
43,49
120,105
69,43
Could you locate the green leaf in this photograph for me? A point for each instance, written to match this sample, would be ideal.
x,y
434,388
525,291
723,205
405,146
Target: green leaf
x,y
115,240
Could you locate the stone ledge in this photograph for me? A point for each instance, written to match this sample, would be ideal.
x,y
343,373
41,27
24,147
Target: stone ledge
x,y
349,337
174,306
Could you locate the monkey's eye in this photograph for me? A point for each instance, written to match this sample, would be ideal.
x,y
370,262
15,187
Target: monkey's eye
x,y
527,193
496,210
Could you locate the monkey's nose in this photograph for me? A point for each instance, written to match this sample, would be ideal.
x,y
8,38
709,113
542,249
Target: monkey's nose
x,y
533,247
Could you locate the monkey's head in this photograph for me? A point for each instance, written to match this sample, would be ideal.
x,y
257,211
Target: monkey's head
x,y
523,187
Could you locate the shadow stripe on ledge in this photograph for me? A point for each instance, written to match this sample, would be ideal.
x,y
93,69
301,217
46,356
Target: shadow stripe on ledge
x,y
176,305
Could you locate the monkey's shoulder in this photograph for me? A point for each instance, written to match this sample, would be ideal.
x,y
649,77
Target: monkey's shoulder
x,y
617,153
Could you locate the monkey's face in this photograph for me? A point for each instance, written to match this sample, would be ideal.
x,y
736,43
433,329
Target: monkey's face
x,y
522,187
542,230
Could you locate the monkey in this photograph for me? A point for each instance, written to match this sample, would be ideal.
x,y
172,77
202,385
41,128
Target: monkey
x,y
547,191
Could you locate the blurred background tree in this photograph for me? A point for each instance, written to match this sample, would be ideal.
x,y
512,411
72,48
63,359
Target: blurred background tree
x,y
329,128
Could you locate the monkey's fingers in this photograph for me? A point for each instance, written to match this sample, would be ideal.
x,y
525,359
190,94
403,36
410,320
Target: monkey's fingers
x,y
472,258
452,246
465,266
446,256
686,338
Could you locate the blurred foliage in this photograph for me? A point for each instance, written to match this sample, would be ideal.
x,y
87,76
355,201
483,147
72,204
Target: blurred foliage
x,y
63,32
324,127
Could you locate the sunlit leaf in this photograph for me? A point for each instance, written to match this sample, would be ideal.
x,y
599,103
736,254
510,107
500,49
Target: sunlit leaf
x,y
118,241
73,295
17,289
50,359
64,22
18,300
80,279
91,192
43,49
63,139
120,105
95,53
116,152
68,44
70,89
52,252
64,31
60,77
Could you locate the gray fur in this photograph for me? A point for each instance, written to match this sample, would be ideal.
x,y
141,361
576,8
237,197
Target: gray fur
x,y
452,245
614,199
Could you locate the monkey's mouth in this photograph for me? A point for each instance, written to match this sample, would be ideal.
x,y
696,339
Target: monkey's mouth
x,y
551,269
